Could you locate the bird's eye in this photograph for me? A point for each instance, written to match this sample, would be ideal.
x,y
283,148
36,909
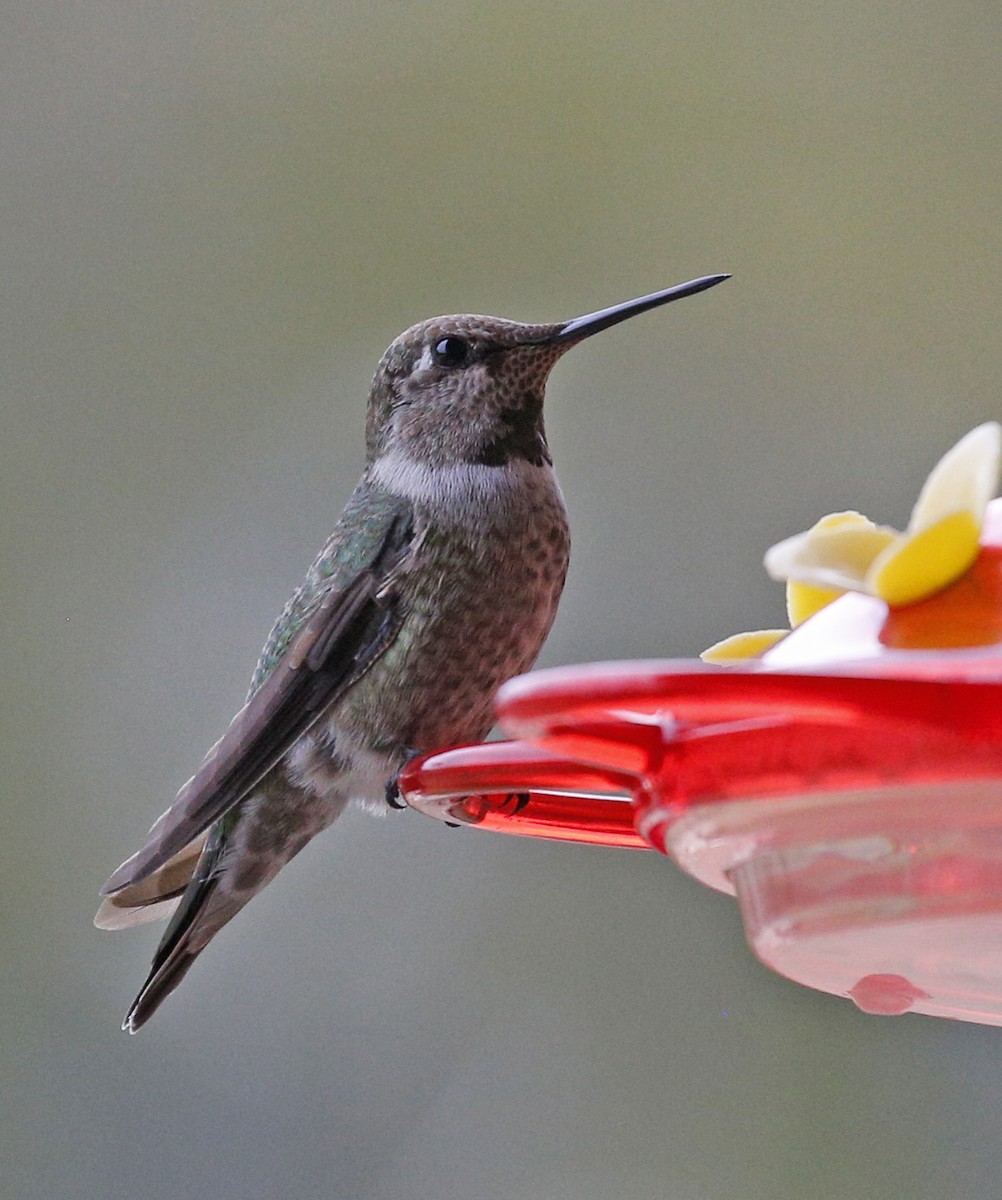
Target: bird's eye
x,y
451,352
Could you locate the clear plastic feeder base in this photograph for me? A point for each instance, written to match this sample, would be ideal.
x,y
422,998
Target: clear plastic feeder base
x,y
889,896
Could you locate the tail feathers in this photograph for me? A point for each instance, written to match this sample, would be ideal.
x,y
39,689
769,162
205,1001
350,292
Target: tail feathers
x,y
154,897
225,877
201,913
161,982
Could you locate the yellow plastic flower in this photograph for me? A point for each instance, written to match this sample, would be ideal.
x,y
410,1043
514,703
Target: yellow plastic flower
x,y
847,552
743,645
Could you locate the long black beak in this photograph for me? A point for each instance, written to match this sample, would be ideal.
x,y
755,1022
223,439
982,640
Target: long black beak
x,y
582,327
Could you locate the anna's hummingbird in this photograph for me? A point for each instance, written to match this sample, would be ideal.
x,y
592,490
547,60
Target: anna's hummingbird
x,y
439,582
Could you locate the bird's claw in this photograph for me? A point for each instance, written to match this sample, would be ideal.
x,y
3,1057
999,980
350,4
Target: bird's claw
x,y
517,801
394,797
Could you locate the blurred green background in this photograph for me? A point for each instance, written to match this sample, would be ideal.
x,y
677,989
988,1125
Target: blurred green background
x,y
215,217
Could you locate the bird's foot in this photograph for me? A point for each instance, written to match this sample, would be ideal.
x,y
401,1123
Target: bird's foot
x,y
394,797
516,801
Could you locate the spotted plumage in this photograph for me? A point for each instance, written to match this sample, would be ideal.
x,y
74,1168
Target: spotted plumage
x,y
439,582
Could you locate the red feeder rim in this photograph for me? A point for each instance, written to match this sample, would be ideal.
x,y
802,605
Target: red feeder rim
x,y
591,735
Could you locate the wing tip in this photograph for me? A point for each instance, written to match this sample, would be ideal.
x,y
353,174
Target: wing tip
x,y
120,878
114,916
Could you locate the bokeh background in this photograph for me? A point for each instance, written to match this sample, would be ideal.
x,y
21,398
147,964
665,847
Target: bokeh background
x,y
215,216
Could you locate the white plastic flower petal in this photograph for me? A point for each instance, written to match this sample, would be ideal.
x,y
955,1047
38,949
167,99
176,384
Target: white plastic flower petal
x,y
836,553
964,479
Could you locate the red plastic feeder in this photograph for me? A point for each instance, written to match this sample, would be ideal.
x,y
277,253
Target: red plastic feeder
x,y
846,787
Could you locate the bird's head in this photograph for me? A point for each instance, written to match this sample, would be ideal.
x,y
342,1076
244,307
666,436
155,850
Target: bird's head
x,y
469,389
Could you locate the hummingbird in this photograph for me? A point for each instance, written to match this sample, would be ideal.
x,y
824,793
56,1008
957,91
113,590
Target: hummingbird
x,y
440,581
